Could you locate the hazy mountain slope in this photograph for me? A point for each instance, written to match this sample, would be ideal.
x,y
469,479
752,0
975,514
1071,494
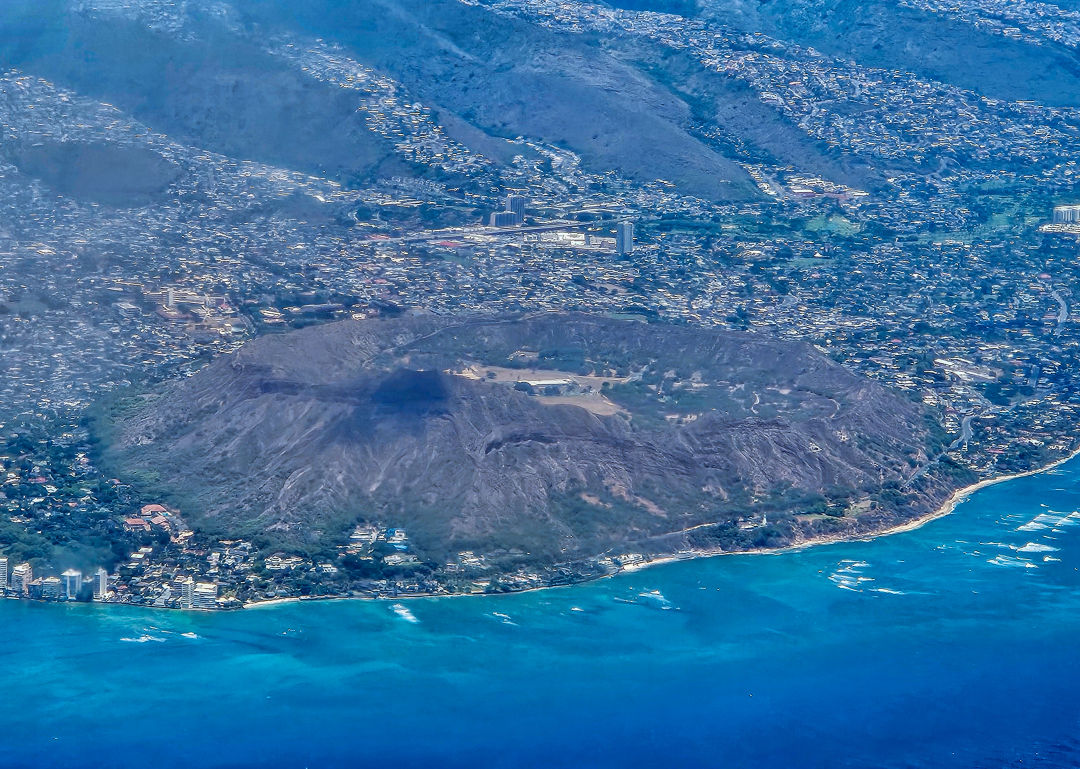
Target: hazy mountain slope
x,y
881,34
212,75
217,86
212,91
735,116
509,78
891,35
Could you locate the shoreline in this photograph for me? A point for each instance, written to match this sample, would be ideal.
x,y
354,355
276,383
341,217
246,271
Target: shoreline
x,y
946,508
272,602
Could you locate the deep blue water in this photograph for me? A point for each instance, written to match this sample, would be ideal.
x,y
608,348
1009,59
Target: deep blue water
x,y
955,645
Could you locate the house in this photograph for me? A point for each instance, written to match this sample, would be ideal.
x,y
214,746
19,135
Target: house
x,y
277,562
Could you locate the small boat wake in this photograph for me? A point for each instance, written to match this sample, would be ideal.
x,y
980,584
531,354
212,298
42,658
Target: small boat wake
x,y
144,638
651,599
155,634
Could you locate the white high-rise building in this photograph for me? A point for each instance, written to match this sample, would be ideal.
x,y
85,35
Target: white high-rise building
x,y
3,573
1067,214
624,238
72,582
187,593
101,584
516,204
204,596
21,576
503,219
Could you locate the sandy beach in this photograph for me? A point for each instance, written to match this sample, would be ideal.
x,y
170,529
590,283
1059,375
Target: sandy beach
x,y
272,602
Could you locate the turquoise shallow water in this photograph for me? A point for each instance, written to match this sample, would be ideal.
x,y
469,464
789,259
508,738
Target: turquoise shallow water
x,y
955,645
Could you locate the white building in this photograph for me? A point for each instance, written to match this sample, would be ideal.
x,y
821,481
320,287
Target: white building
x,y
72,584
204,596
187,593
279,563
516,204
101,584
1067,214
624,238
3,573
21,576
51,588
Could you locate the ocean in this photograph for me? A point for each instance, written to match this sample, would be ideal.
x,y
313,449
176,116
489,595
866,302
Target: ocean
x,y
953,645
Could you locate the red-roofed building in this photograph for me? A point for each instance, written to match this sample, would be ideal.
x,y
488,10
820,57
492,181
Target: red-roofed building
x,y
136,524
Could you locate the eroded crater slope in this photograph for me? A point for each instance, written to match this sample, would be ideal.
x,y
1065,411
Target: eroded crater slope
x,y
552,438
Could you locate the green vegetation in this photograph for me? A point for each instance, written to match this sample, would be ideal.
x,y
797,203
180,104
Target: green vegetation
x,y
61,513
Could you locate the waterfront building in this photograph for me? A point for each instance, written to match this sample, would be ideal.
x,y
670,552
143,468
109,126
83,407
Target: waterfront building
x,y
72,584
624,238
101,584
34,589
52,588
3,573
21,577
187,593
204,596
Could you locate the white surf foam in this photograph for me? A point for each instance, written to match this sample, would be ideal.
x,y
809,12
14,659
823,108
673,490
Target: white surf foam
x,y
1035,547
143,639
656,597
1040,521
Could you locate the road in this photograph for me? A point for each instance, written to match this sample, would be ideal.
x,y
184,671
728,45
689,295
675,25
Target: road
x,y
965,433
464,232
1063,310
